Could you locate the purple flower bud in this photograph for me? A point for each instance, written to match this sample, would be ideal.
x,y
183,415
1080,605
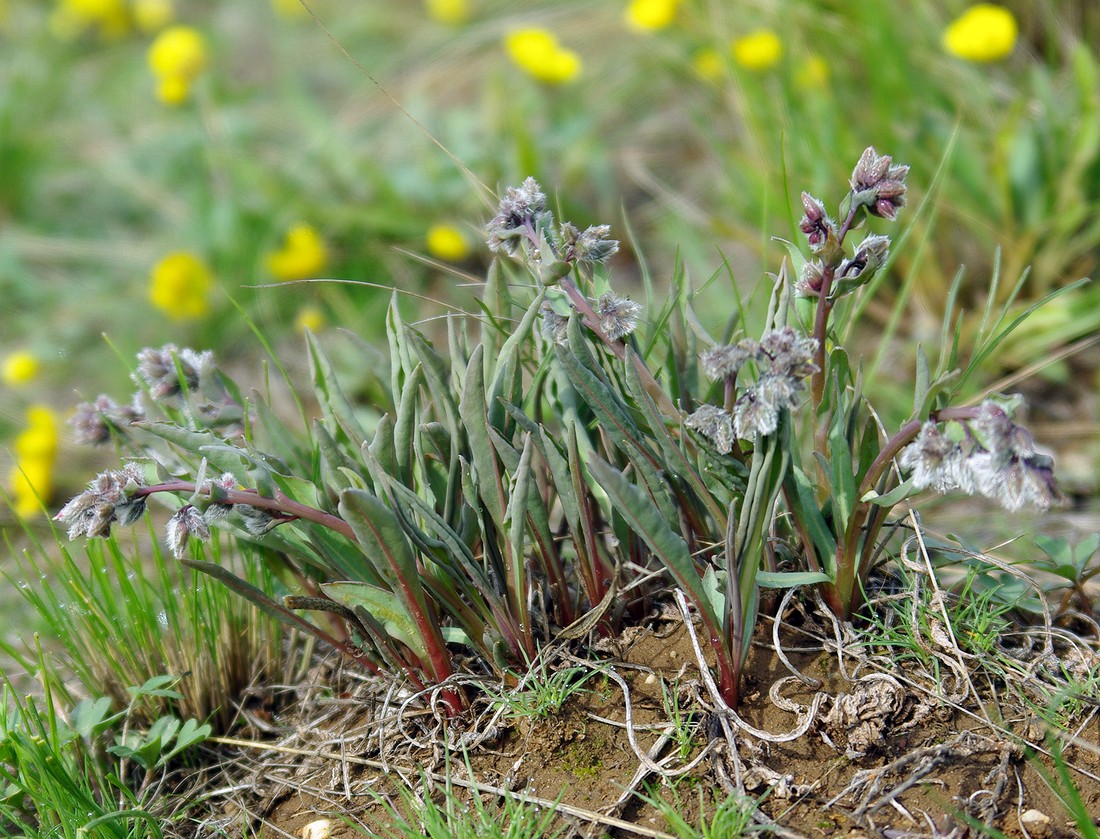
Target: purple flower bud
x,y
879,185
817,226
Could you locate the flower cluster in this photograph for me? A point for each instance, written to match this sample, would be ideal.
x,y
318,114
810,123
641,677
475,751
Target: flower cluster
x,y
35,450
985,32
97,423
994,457
538,53
521,212
180,286
783,361
301,256
523,223
177,57
113,497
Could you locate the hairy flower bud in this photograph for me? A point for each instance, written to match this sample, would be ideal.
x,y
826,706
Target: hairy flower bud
x,y
817,226
186,523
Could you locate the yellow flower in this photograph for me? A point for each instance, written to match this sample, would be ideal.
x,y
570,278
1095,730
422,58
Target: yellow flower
x,y
759,50
176,57
446,242
152,15
813,74
19,368
180,286
709,65
984,33
302,256
72,18
311,318
453,12
290,8
650,15
31,477
538,53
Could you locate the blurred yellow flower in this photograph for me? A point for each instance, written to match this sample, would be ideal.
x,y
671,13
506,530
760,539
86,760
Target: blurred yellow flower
x,y
812,74
759,50
451,12
19,368
180,286
290,8
176,57
984,32
708,64
302,256
650,15
72,18
538,53
31,477
311,318
152,15
446,242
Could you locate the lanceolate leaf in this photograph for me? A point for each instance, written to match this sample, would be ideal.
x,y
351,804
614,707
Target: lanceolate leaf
x,y
385,544
648,522
334,403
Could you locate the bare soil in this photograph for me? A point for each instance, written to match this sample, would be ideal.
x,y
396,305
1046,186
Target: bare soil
x,y
877,749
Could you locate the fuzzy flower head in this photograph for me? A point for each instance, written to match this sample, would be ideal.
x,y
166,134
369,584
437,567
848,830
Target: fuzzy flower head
x,y
19,368
758,51
180,286
96,423
878,184
985,32
618,315
111,498
724,361
715,424
450,12
177,57
522,211
650,15
301,256
167,373
996,458
784,360
538,53
555,327
447,242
